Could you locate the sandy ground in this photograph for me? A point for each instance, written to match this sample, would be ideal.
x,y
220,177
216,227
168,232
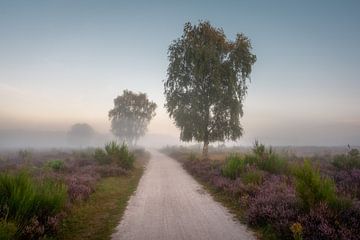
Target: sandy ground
x,y
169,205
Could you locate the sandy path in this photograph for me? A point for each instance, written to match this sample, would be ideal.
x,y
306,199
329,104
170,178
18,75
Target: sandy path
x,y
169,205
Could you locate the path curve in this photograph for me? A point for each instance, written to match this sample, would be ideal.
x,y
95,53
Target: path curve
x,y
170,205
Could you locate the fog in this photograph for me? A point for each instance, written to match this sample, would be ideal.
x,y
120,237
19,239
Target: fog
x,y
58,68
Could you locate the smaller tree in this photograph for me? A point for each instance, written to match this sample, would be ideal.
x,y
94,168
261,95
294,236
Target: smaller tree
x,y
80,134
130,116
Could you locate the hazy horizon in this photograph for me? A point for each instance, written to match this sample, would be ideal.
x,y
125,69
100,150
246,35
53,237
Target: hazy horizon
x,y
63,62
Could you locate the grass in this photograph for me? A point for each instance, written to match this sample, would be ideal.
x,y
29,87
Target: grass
x,y
22,199
97,217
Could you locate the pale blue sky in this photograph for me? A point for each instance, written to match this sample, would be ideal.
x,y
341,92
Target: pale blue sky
x,y
64,61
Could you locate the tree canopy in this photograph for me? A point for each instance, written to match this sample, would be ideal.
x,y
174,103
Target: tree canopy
x,y
131,115
80,134
206,83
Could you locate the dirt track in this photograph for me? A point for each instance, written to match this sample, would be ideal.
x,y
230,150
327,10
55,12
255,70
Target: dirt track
x,y
169,205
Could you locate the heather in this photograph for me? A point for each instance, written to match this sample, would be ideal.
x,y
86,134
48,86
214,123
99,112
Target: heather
x,y
283,196
38,189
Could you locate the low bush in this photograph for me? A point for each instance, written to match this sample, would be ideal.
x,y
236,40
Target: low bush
x,y
348,161
261,158
125,158
23,199
55,165
312,188
119,155
234,166
101,156
252,176
267,159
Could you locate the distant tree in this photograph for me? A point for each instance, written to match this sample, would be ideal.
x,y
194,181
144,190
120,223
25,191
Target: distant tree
x,y
130,116
207,82
81,134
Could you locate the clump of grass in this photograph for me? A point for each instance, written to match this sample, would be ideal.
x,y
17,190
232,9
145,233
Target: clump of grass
x,y
267,159
115,153
55,165
23,199
260,158
312,188
252,176
234,166
101,156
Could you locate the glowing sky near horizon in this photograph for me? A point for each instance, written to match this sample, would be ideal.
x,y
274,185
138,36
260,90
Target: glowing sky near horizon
x,y
63,62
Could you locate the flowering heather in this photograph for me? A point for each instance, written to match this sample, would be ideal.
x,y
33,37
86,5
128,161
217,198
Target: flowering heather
x,y
271,201
323,223
348,183
275,204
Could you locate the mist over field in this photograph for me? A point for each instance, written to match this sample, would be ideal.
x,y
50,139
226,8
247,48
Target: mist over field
x,y
179,120
60,69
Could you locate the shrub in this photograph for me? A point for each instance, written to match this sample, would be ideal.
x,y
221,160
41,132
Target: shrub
x,y
267,159
126,158
112,148
101,156
55,165
348,161
312,188
22,199
252,176
120,154
233,166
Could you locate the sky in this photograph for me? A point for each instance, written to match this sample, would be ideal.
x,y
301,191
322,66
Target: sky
x,y
63,62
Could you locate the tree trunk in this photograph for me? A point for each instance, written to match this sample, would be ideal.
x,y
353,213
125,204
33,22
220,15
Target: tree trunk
x,y
205,151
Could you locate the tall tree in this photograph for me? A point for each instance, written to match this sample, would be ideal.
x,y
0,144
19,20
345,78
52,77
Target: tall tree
x,y
206,83
80,134
130,116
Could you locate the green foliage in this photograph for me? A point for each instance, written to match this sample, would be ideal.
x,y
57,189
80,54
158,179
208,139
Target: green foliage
x,y
22,198
112,148
101,156
348,161
7,230
267,159
252,176
131,115
207,82
55,165
261,158
312,188
259,149
126,158
234,166
117,154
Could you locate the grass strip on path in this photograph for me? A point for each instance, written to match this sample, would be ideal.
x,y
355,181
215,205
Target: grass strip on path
x,y
98,217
